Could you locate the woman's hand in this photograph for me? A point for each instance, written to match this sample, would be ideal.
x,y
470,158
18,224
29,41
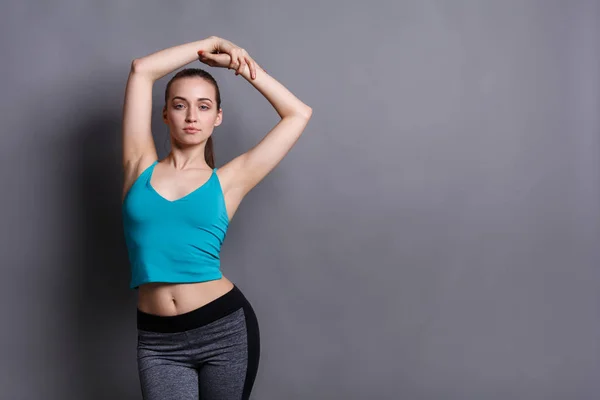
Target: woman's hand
x,y
225,54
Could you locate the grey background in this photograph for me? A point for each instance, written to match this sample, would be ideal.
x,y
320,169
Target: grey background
x,y
433,234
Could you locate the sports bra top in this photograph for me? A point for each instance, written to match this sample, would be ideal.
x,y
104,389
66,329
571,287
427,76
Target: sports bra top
x,y
175,241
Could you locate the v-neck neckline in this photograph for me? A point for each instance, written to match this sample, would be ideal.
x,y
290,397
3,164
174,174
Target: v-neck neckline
x,y
181,198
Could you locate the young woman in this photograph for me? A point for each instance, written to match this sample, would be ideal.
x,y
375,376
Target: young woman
x,y
198,335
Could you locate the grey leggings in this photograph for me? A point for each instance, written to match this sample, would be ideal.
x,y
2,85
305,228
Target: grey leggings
x,y
209,353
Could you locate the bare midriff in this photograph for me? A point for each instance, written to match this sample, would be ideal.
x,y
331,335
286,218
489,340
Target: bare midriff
x,y
168,299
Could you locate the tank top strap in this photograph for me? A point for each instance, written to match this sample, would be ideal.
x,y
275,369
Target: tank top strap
x,y
147,173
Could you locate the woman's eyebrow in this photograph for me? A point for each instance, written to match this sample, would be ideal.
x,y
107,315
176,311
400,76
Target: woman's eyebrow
x,y
199,98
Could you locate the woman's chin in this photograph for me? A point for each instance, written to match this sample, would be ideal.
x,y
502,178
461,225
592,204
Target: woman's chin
x,y
191,140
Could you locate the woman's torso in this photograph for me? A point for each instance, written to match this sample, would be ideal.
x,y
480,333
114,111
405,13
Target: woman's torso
x,y
168,299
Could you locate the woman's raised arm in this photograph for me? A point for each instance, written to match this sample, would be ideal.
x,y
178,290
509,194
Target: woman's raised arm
x,y
156,65
138,144
245,171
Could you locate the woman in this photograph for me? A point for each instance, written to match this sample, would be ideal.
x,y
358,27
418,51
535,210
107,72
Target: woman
x,y
197,334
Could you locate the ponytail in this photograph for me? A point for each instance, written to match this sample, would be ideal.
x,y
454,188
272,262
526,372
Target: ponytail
x,y
208,153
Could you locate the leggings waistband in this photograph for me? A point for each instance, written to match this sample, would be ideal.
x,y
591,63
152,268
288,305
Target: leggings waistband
x,y
218,308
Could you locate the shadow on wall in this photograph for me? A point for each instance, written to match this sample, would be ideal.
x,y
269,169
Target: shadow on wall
x,y
103,306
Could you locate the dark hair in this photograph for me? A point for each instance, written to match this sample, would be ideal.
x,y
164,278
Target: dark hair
x,y
200,73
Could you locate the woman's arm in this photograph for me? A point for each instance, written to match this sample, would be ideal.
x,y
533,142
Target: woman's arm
x,y
163,62
247,170
284,102
139,149
254,165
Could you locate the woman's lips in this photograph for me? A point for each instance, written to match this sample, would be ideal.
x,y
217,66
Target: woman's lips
x,y
191,130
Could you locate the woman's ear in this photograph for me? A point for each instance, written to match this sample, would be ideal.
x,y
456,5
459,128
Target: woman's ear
x,y
219,118
164,115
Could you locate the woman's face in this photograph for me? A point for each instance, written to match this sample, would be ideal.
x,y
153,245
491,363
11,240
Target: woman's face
x,y
191,104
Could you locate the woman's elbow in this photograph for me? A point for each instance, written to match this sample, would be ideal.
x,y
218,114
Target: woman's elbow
x,y
136,65
305,112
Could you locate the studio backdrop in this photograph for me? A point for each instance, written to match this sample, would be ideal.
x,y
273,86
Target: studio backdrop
x,y
434,234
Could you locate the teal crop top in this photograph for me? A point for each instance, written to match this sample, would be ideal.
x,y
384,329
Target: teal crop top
x,y
174,241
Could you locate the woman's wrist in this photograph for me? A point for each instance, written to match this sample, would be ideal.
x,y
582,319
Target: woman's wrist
x,y
207,45
246,73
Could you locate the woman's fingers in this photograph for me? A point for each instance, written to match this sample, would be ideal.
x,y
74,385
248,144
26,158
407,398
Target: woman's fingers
x,y
252,66
205,57
222,59
250,62
215,60
232,63
246,60
240,60
241,66
232,57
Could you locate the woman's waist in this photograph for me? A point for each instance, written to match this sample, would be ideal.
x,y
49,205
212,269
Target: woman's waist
x,y
168,299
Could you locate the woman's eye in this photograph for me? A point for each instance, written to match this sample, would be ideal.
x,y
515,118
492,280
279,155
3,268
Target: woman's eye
x,y
205,107
177,105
